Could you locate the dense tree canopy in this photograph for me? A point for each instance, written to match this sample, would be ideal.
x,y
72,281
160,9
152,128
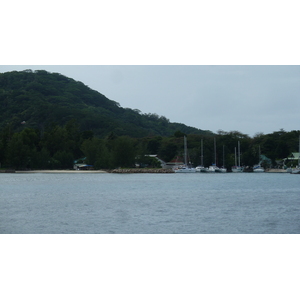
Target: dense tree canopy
x,y
58,146
40,98
48,120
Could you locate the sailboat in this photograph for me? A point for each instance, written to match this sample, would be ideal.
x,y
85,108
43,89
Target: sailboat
x,y
237,167
297,169
201,168
258,168
185,168
222,169
214,167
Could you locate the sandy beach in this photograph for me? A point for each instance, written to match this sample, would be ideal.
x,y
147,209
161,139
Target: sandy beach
x,y
63,171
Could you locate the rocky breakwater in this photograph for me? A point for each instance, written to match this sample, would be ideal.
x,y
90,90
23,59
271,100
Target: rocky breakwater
x,y
127,171
276,171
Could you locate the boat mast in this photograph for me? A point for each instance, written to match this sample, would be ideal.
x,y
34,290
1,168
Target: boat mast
x,y
299,154
201,152
185,151
223,157
215,146
235,163
239,153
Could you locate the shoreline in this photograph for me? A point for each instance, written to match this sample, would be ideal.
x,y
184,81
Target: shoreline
x,y
116,171
62,171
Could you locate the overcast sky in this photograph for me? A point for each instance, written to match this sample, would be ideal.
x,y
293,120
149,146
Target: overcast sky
x,y
249,99
214,65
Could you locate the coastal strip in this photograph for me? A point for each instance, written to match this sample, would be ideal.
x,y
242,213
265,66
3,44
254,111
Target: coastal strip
x,y
129,171
117,171
62,171
7,171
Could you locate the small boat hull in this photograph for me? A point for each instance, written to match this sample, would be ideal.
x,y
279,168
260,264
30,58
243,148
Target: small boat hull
x,y
200,169
237,169
296,171
185,170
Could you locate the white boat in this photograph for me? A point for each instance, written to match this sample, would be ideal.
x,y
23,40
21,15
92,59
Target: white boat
x,y
297,169
237,167
201,167
222,169
258,168
185,168
212,169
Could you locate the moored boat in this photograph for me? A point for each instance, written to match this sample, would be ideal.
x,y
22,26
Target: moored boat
x,y
297,169
237,168
258,168
213,168
222,169
201,167
185,168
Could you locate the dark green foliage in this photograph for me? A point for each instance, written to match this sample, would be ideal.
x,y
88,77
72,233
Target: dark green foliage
x,y
18,153
123,152
97,153
65,120
41,98
42,160
62,160
168,150
178,133
154,145
58,146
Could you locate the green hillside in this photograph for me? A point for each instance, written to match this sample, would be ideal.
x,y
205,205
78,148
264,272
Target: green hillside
x,y
38,99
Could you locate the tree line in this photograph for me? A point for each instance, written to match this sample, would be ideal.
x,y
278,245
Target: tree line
x,y
58,146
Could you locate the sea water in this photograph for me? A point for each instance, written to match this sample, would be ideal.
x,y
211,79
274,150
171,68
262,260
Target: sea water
x,y
103,203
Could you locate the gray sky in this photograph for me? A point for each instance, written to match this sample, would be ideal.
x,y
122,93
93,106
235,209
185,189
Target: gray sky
x,y
213,65
249,99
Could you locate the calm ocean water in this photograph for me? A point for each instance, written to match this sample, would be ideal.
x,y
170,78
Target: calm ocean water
x,y
149,203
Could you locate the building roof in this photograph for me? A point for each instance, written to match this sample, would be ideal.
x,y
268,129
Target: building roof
x,y
81,160
294,155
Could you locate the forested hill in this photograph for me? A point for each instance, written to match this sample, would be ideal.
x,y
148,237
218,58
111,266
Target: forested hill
x,y
38,99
